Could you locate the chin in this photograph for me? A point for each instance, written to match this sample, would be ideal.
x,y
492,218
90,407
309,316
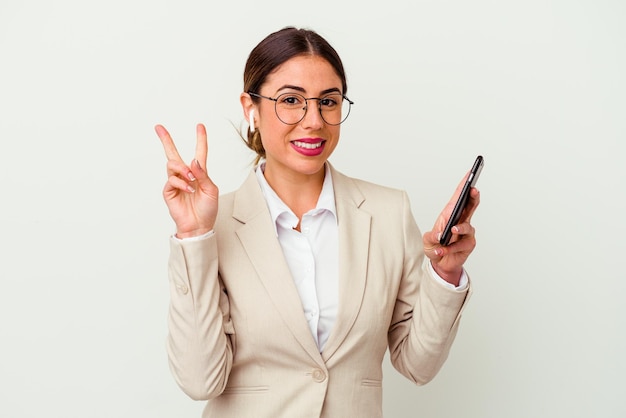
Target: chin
x,y
310,167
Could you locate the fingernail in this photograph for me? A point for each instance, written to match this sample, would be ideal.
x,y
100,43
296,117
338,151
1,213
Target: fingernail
x,y
438,251
191,189
191,177
455,229
438,236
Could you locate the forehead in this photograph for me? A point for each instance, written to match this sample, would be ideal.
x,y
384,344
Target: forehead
x,y
309,72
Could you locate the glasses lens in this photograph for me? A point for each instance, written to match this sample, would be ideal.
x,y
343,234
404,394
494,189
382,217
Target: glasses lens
x,y
334,108
291,108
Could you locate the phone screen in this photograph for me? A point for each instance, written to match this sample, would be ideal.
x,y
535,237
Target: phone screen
x,y
462,201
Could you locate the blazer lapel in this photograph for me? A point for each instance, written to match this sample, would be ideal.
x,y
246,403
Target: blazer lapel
x,y
258,237
354,237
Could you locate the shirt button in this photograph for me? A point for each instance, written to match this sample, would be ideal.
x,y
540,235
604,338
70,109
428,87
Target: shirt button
x,y
318,375
306,230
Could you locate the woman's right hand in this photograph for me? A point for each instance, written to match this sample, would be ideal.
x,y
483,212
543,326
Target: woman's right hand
x,y
189,193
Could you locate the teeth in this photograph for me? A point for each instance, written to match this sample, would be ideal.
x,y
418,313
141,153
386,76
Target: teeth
x,y
307,145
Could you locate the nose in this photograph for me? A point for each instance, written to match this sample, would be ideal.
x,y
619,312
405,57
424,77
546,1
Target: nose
x,y
313,115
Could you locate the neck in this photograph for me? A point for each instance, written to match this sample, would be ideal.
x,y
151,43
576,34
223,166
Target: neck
x,y
300,192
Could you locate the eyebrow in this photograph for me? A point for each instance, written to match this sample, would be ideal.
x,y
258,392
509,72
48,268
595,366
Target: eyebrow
x,y
302,90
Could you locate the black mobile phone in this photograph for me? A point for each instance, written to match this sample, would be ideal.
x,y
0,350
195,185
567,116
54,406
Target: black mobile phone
x,y
462,202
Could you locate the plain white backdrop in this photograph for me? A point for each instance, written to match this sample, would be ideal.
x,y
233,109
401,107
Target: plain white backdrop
x,y
536,86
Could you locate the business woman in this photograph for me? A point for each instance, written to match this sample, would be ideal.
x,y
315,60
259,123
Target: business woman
x,y
286,293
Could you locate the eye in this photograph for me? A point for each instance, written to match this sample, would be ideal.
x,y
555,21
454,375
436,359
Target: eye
x,y
330,102
290,100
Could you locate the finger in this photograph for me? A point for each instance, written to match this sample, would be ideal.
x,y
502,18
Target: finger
x,y
432,248
457,191
174,185
204,181
463,229
463,232
180,169
198,171
472,204
446,213
201,145
168,144
468,210
464,245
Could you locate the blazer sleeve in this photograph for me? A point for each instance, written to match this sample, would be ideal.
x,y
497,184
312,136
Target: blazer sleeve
x,y
426,314
199,346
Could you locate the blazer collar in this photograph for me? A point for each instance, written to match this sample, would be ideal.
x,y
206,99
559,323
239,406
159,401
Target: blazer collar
x,y
354,237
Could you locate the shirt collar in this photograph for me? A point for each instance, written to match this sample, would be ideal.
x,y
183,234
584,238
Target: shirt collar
x,y
277,207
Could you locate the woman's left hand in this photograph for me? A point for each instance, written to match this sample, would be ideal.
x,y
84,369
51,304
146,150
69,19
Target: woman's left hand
x,y
448,260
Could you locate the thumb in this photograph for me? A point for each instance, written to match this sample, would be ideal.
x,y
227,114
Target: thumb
x,y
204,181
432,248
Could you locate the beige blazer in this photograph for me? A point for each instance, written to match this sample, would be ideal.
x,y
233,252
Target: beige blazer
x,y
237,333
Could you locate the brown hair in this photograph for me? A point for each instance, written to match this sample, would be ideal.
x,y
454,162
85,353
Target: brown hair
x,y
273,51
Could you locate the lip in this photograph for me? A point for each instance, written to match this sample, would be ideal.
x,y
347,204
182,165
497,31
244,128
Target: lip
x,y
310,147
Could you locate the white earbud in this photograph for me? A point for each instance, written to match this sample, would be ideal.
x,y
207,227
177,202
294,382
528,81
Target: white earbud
x,y
251,120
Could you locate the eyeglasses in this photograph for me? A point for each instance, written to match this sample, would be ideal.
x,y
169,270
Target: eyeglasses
x,y
291,107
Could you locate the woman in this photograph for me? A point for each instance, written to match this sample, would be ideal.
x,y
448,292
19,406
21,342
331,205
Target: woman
x,y
285,299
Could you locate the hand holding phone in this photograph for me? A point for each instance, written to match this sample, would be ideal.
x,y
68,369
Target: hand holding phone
x,y
462,201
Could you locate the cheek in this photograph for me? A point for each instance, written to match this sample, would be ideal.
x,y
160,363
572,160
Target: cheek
x,y
268,122
274,134
334,138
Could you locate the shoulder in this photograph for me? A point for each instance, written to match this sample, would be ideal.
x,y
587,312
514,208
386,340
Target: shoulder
x,y
388,208
244,196
243,204
366,191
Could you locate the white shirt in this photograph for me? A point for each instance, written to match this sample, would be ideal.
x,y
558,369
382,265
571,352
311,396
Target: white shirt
x,y
312,254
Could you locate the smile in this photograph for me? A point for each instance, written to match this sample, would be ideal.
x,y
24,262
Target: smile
x,y
307,145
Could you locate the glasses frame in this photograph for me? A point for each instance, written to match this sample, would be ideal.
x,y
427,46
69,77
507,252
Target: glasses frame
x,y
306,107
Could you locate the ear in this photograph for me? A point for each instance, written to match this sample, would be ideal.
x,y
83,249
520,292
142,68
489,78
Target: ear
x,y
246,104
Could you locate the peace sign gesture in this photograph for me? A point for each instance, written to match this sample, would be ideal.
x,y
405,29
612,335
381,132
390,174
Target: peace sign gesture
x,y
189,193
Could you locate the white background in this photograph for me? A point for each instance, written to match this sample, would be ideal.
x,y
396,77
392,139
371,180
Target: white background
x,y
536,86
